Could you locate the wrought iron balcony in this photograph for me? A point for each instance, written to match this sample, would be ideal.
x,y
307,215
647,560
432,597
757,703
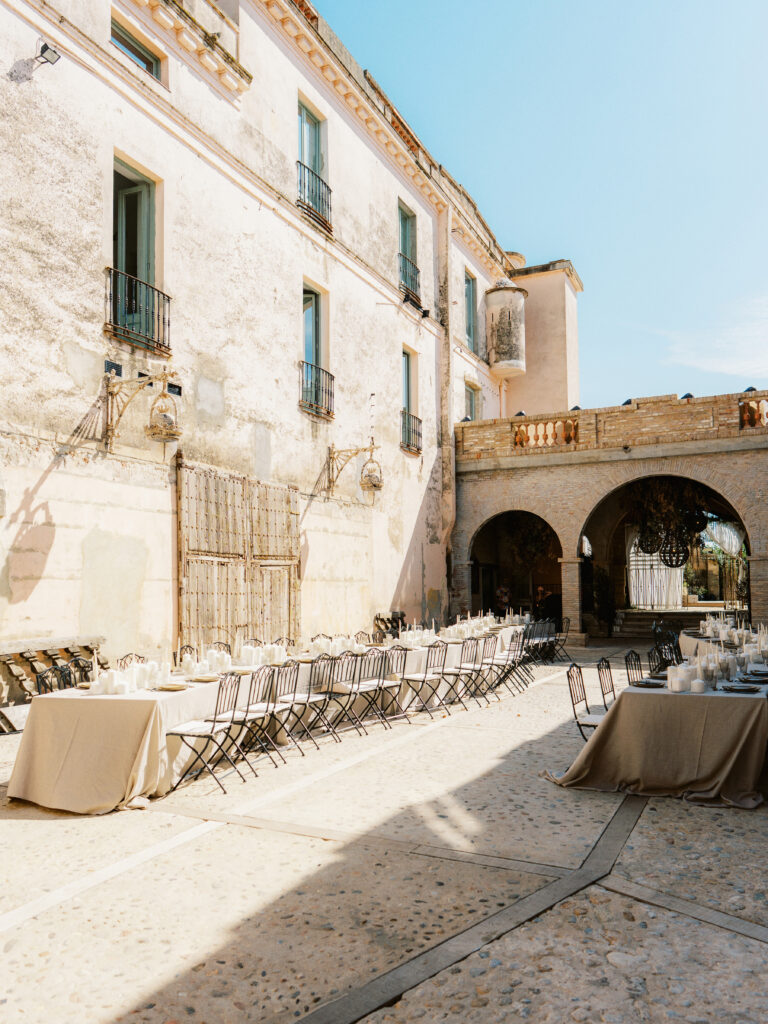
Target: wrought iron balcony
x,y
137,312
314,195
410,431
316,390
409,277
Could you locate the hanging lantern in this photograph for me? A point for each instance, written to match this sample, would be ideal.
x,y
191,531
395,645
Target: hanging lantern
x,y
674,551
371,476
649,538
164,419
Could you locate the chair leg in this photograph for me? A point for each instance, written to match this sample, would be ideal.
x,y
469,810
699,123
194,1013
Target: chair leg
x,y
198,757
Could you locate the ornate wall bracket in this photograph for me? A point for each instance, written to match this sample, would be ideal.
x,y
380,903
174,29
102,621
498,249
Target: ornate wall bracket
x,y
371,477
163,415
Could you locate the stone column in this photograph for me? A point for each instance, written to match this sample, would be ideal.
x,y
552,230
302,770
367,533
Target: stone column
x,y
758,586
461,586
570,575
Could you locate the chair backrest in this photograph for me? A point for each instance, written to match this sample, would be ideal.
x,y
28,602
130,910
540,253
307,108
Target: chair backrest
x,y
226,696
81,670
377,637
253,642
130,659
178,656
576,686
285,641
656,660
261,690
361,637
371,666
395,661
436,653
321,673
57,677
490,643
285,681
633,666
344,669
565,625
606,681
320,636
222,645
469,651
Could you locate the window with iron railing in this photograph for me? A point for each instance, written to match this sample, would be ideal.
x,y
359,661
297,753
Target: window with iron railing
x,y
410,431
316,390
137,312
314,194
470,308
409,271
409,276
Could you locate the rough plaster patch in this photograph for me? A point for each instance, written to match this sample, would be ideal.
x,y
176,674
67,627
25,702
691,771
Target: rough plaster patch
x,y
209,399
262,450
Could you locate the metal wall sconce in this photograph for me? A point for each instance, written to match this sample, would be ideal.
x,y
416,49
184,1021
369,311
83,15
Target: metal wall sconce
x,y
163,414
47,55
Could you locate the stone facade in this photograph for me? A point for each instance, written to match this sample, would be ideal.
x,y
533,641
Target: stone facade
x,y
562,475
88,538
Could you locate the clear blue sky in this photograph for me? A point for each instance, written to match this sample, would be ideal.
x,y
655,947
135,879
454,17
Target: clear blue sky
x,y
630,138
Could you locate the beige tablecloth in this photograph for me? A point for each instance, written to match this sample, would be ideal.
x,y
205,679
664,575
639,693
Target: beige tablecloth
x,y
702,747
91,753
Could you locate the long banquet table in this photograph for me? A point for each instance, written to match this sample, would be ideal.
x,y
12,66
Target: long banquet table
x,y
90,753
706,747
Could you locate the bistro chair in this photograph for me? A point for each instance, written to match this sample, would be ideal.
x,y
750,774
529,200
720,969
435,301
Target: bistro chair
x,y
254,719
462,676
81,669
342,690
370,684
57,677
285,641
606,681
290,704
561,639
430,678
130,659
312,706
393,683
253,642
222,645
178,656
486,655
585,719
320,636
361,637
656,661
215,732
633,666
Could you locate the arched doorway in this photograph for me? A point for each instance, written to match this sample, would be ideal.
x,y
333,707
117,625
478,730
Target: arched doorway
x,y
662,544
515,560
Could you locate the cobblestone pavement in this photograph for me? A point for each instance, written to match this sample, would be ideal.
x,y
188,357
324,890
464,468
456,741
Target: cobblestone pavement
x,y
431,860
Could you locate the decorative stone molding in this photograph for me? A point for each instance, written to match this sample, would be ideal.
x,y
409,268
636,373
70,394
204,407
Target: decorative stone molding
x,y
296,30
205,51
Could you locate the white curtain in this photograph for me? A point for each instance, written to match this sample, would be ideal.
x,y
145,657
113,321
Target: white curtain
x,y
727,536
651,584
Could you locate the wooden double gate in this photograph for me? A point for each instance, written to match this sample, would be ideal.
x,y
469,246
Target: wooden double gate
x,y
238,557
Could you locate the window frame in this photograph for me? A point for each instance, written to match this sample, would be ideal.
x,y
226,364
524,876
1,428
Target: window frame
x,y
307,119
407,219
471,402
317,340
407,382
470,310
129,43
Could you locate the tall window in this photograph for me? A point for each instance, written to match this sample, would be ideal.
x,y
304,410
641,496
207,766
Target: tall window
x,y
312,347
470,303
409,271
138,53
309,140
471,402
407,381
133,226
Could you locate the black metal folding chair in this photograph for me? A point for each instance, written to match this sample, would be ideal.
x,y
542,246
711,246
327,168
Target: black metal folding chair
x,y
257,714
81,669
285,641
370,688
585,719
561,639
606,681
178,656
316,700
633,666
289,708
458,679
361,637
130,659
222,645
429,680
392,683
657,661
57,677
486,655
215,732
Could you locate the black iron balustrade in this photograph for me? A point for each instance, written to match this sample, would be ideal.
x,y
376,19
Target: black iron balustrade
x,y
316,389
314,195
138,312
409,277
410,431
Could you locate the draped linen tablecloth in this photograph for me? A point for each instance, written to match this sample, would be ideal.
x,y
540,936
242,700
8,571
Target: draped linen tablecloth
x,y
92,753
702,747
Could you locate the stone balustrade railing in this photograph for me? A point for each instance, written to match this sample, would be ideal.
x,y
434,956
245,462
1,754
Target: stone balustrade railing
x,y
661,419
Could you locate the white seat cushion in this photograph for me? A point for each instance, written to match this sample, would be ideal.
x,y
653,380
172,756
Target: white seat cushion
x,y
592,719
198,728
419,677
309,698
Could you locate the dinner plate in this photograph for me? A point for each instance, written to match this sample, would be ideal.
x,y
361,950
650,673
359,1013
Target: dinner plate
x,y
172,686
740,688
203,679
649,684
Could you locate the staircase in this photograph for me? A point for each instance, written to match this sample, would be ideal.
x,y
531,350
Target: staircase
x,y
637,623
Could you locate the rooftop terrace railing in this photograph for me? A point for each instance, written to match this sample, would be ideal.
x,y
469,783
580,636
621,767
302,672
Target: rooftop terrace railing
x,y
662,419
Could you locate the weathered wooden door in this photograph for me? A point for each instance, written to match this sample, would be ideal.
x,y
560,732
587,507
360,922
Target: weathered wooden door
x,y
238,557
